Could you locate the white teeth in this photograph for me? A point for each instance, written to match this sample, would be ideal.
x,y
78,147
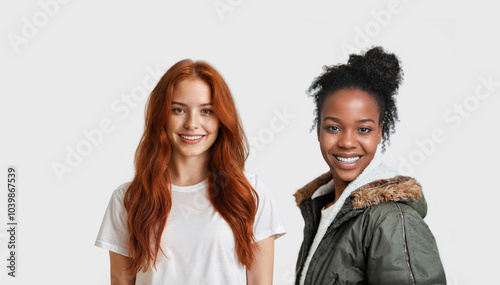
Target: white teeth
x,y
191,137
348,159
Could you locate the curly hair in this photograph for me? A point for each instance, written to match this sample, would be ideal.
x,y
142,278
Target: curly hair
x,y
376,72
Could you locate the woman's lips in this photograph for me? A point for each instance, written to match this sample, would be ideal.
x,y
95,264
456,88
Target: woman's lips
x,y
191,139
347,162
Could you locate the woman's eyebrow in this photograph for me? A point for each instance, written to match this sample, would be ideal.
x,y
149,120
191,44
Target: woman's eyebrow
x,y
182,104
335,119
332,119
366,120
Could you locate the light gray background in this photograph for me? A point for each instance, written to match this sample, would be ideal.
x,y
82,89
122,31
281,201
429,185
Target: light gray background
x,y
73,68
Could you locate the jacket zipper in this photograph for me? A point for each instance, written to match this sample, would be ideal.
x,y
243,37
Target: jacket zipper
x,y
407,256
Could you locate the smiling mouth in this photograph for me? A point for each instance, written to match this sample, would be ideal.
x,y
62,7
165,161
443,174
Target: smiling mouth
x,y
190,138
347,159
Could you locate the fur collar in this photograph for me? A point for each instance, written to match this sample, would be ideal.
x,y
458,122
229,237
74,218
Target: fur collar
x,y
392,189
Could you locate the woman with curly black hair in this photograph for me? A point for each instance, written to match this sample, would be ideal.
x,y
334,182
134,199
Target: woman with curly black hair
x,y
363,221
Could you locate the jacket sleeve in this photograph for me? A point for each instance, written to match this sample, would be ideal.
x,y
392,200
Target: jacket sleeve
x,y
402,249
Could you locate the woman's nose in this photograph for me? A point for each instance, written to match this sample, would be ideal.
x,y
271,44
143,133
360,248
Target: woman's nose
x,y
192,121
347,140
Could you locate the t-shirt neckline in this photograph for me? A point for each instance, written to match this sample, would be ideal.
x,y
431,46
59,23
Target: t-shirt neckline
x,y
190,188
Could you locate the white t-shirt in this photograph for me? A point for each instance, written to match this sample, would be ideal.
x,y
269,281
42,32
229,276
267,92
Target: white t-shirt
x,y
198,242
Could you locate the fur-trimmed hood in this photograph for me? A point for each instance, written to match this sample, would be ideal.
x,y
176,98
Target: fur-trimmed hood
x,y
398,188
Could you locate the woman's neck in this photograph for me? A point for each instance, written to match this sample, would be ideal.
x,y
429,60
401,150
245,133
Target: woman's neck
x,y
188,171
339,187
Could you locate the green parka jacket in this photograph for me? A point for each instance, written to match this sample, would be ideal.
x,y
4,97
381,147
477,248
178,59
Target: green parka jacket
x,y
377,237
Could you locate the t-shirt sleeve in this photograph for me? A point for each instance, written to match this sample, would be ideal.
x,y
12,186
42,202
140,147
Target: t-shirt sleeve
x,y
268,221
113,234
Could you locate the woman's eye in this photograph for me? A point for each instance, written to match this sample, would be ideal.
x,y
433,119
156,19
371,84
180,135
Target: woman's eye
x,y
178,110
333,128
365,130
206,111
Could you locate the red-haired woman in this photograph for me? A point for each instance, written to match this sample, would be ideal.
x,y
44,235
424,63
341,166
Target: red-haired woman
x,y
191,215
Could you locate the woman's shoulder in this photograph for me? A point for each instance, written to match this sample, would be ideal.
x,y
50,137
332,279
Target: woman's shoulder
x,y
250,176
383,209
119,192
256,181
391,213
253,178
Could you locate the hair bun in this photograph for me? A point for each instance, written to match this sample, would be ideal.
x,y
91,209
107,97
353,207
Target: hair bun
x,y
382,70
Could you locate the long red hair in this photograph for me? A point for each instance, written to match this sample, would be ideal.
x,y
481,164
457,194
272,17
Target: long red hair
x,y
148,199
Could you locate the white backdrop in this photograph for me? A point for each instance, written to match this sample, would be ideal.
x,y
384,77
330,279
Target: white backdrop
x,y
75,76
